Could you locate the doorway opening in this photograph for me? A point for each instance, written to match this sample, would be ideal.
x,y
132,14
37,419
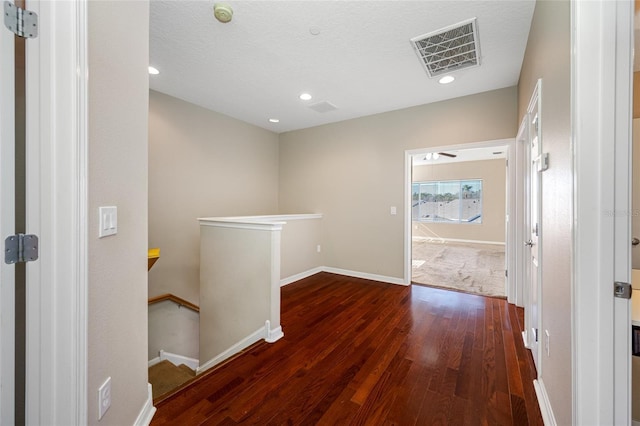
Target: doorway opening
x,y
458,229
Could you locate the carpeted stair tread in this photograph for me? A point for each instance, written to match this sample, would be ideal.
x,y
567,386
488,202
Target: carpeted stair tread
x,y
165,376
187,370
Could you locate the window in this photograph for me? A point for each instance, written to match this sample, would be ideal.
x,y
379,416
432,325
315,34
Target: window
x,y
450,201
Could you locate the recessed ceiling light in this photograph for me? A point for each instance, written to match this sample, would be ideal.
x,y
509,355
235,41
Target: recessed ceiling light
x,y
153,71
446,79
306,97
274,120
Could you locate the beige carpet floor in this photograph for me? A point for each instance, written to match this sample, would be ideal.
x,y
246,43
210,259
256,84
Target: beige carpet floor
x,y
165,377
473,268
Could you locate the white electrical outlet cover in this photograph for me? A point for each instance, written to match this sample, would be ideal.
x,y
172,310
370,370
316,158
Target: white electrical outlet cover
x,y
104,397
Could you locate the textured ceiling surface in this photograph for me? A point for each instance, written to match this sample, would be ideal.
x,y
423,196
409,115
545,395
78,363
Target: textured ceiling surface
x,y
361,61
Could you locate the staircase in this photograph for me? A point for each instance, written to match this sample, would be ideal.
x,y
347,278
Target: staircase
x,y
166,377
171,327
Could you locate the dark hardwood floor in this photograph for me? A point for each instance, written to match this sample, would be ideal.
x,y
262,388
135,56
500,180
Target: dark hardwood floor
x,y
362,352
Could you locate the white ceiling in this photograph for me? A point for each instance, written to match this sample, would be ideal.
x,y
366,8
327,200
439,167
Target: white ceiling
x,y
255,67
462,155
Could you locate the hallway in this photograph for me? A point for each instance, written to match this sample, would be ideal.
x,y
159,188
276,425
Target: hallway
x,y
358,351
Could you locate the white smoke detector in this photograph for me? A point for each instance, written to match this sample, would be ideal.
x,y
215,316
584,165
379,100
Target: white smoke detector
x,y
222,12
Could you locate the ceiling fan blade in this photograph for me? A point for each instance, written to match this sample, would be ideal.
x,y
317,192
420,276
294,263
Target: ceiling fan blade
x,y
446,154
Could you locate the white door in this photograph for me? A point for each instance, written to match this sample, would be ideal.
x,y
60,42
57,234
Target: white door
x,y
529,135
533,242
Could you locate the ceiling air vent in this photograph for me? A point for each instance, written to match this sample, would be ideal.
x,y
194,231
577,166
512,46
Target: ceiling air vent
x,y
323,106
449,49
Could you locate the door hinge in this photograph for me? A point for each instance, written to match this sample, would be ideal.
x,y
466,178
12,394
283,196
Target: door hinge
x,y
622,290
535,334
543,161
506,273
535,122
23,23
20,248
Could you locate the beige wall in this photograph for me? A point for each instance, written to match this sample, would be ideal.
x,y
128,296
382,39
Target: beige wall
x,y
353,172
494,180
117,275
235,288
298,250
548,57
201,164
174,329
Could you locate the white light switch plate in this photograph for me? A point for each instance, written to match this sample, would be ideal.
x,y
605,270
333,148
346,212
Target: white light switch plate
x,y
108,222
394,210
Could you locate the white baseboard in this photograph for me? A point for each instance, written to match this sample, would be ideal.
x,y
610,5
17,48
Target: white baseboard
x,y
261,333
373,277
544,403
147,411
455,240
272,335
175,359
154,361
300,276
346,272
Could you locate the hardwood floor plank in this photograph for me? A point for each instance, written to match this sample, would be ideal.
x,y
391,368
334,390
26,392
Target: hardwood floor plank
x,y
406,402
380,366
526,368
511,361
341,411
366,353
458,341
331,396
519,411
502,381
435,409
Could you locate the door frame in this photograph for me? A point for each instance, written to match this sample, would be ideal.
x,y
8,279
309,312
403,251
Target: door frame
x,y
57,117
510,203
520,269
601,144
533,160
7,227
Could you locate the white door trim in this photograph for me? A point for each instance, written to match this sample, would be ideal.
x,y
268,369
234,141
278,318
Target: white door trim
x,y
7,227
520,187
534,190
512,224
408,167
601,122
57,211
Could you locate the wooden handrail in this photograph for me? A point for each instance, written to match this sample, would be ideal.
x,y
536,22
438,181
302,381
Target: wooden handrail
x,y
179,300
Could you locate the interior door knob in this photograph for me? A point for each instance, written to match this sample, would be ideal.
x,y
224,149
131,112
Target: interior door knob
x,y
530,243
635,241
